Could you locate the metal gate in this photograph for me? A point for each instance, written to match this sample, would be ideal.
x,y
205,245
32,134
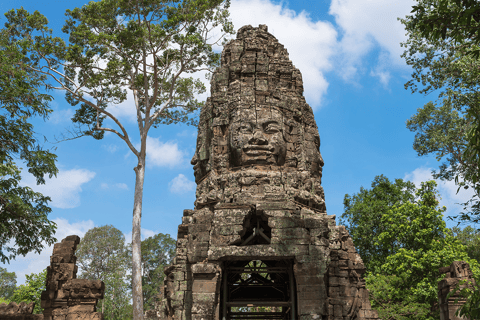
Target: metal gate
x,y
255,289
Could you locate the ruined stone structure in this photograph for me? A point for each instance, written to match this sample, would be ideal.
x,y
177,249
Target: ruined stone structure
x,y
68,298
65,298
456,272
259,243
21,311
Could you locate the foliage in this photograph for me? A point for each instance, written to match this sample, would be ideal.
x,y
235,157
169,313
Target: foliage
x,y
102,255
418,270
32,290
363,217
8,283
456,19
157,252
118,45
442,34
470,238
415,224
23,212
471,307
117,306
390,301
100,252
411,234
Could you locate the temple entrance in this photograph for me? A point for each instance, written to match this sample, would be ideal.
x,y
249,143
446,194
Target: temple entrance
x,y
256,289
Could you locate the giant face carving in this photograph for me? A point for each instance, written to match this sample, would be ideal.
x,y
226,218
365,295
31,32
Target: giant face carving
x,y
256,137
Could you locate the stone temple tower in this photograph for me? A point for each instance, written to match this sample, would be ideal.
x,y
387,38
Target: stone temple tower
x,y
259,243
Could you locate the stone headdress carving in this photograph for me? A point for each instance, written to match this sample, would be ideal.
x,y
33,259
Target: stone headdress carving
x,y
256,131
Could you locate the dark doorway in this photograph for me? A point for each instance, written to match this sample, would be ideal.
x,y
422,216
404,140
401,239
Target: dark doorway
x,y
256,289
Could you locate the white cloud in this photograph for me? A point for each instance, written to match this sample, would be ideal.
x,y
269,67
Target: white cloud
x,y
310,44
368,22
181,184
380,71
382,75
34,262
447,190
162,154
123,186
111,147
60,116
64,190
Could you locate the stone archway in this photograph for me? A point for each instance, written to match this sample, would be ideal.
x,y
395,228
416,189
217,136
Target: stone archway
x,y
256,289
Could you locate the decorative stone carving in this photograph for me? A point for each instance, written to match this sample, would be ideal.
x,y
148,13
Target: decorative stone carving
x,y
259,234
456,272
65,298
68,298
21,311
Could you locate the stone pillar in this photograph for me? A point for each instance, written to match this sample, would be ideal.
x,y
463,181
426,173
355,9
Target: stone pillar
x,y
65,297
206,283
456,272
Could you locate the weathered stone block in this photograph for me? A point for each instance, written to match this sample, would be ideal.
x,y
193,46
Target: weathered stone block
x,y
227,230
286,222
338,281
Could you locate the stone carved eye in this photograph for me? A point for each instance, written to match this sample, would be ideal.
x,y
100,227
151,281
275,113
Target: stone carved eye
x,y
272,127
245,128
317,142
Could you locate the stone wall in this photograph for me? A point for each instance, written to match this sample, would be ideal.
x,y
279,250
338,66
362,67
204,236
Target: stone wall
x,y
65,298
456,272
21,311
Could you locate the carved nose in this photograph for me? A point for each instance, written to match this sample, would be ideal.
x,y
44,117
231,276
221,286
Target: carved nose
x,y
194,159
258,138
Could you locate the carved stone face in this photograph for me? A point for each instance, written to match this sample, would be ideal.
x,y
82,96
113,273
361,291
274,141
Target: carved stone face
x,y
256,137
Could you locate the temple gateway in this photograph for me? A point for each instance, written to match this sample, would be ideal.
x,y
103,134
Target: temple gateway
x,y
259,243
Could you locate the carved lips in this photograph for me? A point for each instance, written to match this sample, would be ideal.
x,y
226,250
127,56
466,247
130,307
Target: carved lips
x,y
255,150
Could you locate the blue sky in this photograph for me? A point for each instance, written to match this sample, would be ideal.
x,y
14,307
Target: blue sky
x,y
349,54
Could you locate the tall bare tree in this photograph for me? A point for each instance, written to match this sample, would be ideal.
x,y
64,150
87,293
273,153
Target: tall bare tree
x,y
144,47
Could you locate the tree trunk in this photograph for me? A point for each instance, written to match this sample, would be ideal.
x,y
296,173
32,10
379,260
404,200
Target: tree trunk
x,y
136,239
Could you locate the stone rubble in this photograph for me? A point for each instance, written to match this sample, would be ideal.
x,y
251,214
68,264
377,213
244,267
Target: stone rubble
x,y
65,297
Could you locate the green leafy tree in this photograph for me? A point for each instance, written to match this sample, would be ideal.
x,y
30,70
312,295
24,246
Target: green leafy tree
x,y
441,36
117,306
23,212
390,301
32,290
146,47
8,283
413,243
458,20
405,287
470,238
364,211
157,252
443,47
102,255
425,247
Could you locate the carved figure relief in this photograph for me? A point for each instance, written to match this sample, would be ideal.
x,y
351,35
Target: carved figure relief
x,y
259,234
